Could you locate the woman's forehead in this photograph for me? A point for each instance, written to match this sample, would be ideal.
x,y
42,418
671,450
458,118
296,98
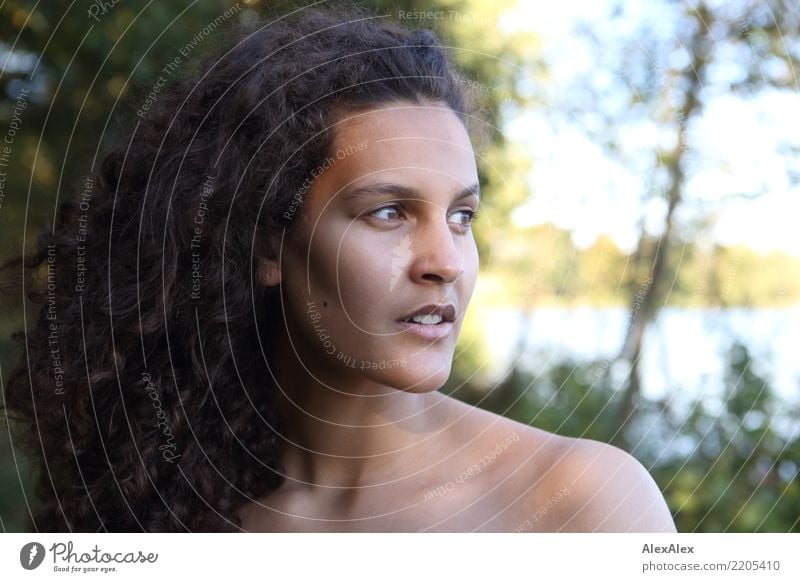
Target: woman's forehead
x,y
419,122
407,141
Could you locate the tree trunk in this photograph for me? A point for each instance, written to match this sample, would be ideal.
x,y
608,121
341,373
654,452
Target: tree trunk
x,y
645,301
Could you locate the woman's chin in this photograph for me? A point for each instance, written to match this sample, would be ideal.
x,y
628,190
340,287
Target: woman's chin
x,y
417,378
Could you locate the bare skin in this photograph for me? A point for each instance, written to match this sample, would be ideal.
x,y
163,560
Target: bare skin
x,y
538,483
371,444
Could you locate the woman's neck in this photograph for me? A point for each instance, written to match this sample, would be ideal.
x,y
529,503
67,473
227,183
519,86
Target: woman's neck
x,y
345,430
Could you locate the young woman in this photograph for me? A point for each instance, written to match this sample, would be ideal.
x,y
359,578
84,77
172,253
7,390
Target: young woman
x,y
248,311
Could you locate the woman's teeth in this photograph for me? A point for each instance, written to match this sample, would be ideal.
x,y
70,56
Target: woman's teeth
x,y
427,319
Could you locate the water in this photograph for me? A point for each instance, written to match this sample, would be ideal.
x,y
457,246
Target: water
x,y
685,350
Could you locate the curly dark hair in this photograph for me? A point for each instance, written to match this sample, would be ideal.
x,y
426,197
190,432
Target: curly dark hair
x,y
144,394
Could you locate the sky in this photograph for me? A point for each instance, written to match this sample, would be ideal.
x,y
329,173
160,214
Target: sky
x,y
735,142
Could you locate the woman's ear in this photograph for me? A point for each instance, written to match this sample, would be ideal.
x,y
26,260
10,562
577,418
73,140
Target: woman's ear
x,y
269,272
267,254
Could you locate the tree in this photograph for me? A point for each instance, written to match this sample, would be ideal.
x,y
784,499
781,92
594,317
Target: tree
x,y
664,77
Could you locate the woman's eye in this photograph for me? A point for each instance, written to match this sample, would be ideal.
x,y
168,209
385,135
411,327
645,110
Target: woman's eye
x,y
386,212
465,217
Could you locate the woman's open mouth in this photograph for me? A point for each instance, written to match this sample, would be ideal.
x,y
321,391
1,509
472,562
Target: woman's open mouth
x,y
428,331
431,322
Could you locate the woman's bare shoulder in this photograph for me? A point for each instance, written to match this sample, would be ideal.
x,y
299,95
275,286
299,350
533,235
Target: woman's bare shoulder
x,y
574,484
608,490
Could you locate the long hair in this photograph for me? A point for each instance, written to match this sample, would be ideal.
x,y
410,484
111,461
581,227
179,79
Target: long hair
x,y
143,394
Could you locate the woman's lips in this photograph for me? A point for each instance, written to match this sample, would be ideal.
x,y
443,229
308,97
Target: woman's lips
x,y
427,331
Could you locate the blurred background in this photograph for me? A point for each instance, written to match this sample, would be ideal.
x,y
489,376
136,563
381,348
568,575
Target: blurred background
x,y
640,252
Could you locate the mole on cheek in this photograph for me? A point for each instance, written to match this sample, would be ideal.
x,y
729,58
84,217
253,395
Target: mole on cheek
x,y
324,303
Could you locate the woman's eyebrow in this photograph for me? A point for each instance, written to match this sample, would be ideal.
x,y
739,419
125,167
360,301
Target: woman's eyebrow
x,y
401,191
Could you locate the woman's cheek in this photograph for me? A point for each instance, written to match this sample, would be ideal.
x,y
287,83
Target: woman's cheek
x,y
364,294
371,265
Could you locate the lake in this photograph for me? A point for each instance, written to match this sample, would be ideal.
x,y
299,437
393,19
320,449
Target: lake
x,y
685,349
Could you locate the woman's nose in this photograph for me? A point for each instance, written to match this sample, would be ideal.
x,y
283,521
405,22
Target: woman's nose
x,y
437,252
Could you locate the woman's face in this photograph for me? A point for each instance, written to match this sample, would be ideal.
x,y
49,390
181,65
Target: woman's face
x,y
384,232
